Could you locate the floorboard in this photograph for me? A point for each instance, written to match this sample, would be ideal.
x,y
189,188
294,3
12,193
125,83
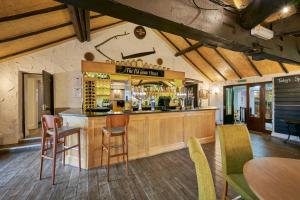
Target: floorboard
x,y
168,176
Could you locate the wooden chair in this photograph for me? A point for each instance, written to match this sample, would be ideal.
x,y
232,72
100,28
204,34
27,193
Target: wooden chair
x,y
116,125
56,134
206,188
236,150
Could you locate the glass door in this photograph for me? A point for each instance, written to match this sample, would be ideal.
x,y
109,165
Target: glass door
x,y
256,118
268,106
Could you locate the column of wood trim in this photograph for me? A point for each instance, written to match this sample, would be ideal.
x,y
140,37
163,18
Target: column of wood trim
x,y
207,61
230,64
189,60
252,65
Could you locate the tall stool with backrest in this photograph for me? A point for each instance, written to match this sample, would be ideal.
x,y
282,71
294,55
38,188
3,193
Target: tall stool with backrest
x,y
55,133
236,150
116,125
206,188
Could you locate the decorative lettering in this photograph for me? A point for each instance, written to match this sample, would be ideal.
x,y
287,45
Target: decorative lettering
x,y
139,71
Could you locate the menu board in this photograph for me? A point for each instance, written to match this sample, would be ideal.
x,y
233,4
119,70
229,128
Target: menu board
x,y
286,101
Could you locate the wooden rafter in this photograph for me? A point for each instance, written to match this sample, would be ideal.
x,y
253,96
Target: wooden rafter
x,y
207,61
283,68
52,42
190,48
32,13
252,65
42,30
229,63
189,60
81,23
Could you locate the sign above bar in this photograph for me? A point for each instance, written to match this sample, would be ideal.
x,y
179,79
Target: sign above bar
x,y
139,71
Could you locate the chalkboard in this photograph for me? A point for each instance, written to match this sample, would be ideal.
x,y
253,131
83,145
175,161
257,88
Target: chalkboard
x,y
286,100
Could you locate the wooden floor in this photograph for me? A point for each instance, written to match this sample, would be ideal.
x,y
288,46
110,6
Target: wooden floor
x,y
166,176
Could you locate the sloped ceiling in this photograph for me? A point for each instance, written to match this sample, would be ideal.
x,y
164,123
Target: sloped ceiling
x,y
30,25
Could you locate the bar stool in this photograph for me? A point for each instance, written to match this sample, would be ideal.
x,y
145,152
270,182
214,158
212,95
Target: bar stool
x,y
54,133
116,125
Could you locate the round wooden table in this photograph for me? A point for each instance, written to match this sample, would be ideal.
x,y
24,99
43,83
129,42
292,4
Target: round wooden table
x,y
273,178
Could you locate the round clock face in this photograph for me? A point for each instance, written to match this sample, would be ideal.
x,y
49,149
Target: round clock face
x,y
89,56
139,32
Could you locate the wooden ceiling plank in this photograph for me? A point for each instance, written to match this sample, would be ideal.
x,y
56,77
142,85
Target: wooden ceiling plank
x,y
252,65
32,13
36,47
190,61
230,64
190,48
105,26
284,69
207,61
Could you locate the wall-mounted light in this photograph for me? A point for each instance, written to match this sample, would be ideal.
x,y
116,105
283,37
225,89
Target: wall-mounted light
x,y
215,90
285,9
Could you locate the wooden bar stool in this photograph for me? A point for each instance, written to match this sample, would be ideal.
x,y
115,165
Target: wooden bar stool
x,y
116,125
56,134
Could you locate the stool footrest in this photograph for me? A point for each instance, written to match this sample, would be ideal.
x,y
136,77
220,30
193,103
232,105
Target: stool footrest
x,y
47,157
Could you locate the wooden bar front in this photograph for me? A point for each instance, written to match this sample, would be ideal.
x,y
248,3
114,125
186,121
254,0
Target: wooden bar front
x,y
149,134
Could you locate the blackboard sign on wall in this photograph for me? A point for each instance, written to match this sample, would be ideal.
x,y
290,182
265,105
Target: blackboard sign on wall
x,y
286,100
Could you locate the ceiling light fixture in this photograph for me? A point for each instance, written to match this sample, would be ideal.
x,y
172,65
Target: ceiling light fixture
x,y
285,9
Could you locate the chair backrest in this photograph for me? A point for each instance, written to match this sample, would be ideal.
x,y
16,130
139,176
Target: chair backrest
x,y
236,147
113,121
50,122
206,188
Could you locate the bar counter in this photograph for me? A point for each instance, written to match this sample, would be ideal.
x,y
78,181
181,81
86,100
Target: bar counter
x,y
149,133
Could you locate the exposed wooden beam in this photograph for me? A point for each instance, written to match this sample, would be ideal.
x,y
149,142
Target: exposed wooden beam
x,y
283,68
32,13
191,48
252,65
51,43
187,58
287,26
42,30
207,61
218,27
229,63
81,23
36,47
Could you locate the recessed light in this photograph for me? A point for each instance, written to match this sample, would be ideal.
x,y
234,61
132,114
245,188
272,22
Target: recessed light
x,y
285,9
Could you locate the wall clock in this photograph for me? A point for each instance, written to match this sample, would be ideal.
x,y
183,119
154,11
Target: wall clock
x,y
139,32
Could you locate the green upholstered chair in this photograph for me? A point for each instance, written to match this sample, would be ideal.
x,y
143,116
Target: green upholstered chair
x,y
236,150
206,188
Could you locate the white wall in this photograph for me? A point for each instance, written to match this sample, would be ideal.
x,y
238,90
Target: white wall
x,y
65,62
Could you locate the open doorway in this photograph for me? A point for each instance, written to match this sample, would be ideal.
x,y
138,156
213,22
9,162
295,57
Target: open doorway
x,y
32,104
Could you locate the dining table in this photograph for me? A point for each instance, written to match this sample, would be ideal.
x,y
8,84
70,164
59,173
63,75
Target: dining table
x,y
272,178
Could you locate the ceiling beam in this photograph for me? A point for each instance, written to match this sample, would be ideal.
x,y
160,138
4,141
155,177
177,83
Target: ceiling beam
x,y
41,31
22,52
257,11
252,65
283,68
190,48
81,23
216,26
229,63
187,58
287,26
207,61
32,13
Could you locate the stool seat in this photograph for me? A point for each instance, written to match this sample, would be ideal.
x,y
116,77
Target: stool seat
x,y
114,130
64,131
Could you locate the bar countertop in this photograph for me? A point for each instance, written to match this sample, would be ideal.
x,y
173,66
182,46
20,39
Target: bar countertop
x,y
81,113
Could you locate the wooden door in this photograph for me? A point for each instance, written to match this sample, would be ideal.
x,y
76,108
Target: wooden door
x,y
228,105
48,93
255,107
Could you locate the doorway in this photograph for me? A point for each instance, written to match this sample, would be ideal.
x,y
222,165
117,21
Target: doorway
x,y
32,103
250,104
